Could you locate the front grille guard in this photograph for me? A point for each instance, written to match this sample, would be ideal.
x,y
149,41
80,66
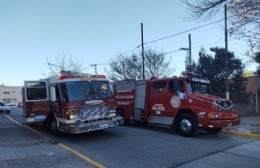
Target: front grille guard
x,y
94,112
224,105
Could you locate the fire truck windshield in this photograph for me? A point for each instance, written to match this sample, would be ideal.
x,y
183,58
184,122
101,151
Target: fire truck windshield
x,y
85,90
197,87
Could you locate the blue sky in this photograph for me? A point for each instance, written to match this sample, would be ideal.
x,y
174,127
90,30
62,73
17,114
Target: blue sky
x,y
94,31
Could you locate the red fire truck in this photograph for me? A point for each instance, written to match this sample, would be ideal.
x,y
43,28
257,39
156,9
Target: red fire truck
x,y
181,102
73,103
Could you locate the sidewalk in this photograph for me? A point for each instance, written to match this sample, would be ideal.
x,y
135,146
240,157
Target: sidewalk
x,y
250,125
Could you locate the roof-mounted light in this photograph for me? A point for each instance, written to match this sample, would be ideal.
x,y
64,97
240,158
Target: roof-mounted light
x,y
83,76
101,76
65,76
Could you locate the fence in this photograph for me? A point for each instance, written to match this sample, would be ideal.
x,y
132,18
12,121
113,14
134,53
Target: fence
x,y
245,104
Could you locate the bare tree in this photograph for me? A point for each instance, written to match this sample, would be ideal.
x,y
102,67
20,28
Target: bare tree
x,y
244,16
156,64
63,62
130,67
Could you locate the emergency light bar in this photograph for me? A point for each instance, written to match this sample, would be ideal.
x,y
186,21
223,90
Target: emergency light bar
x,y
70,76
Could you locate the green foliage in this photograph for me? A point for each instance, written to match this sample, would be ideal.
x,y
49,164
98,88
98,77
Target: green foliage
x,y
213,68
257,57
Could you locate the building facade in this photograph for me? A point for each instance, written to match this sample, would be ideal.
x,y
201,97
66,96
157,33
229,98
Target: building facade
x,y
11,94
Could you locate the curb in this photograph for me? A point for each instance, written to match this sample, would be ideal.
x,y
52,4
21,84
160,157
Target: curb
x,y
240,134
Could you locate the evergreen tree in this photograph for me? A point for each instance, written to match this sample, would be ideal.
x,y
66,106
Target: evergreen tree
x,y
213,67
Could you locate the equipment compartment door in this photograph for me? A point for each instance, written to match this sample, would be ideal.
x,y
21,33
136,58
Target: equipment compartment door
x,y
36,99
139,104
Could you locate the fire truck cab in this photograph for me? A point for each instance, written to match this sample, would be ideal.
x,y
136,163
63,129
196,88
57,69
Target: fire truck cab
x,y
181,102
73,103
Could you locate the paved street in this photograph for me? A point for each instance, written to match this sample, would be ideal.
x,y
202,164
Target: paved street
x,y
130,146
22,148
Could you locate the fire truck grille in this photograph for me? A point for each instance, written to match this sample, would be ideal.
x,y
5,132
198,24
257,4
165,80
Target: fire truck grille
x,y
224,105
94,112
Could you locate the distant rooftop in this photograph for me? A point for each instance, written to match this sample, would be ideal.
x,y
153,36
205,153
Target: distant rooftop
x,y
252,83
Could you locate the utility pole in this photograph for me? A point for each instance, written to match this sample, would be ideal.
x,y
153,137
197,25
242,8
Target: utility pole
x,y
189,52
226,55
95,67
142,40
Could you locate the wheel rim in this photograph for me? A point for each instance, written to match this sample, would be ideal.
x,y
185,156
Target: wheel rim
x,y
185,125
53,126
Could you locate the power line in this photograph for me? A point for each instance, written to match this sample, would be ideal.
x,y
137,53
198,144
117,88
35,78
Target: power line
x,y
169,36
180,33
202,45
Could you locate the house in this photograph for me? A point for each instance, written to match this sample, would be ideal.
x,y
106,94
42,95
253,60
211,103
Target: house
x,y
11,94
252,84
253,89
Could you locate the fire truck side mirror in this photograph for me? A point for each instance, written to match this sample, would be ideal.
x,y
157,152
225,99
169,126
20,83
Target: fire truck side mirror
x,y
53,94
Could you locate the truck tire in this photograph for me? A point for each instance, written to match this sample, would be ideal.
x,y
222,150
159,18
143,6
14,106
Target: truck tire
x,y
120,113
54,126
213,130
187,125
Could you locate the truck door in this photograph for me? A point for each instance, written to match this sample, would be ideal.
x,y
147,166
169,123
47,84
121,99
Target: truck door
x,y
56,106
165,101
175,97
157,98
158,104
37,102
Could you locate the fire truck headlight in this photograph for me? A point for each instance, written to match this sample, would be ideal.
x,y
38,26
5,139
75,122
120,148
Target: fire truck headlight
x,y
112,110
71,115
234,115
213,115
112,115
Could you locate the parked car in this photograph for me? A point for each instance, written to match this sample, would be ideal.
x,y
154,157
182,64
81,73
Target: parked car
x,y
4,108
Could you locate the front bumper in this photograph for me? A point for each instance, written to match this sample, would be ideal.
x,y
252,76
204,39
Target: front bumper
x,y
93,125
220,123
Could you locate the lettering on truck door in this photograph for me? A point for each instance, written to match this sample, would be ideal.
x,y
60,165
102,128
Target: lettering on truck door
x,y
157,103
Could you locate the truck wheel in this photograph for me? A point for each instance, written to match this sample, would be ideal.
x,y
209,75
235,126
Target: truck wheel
x,y
213,130
187,125
121,114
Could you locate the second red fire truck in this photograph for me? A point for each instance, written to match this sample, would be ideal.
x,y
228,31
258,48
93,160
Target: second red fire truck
x,y
73,103
180,102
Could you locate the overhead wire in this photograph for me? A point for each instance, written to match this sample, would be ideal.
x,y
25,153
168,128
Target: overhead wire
x,y
169,36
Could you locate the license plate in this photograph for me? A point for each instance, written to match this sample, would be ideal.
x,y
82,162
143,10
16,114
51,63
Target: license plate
x,y
39,117
103,125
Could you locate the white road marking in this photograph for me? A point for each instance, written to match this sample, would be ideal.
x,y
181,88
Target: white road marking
x,y
13,120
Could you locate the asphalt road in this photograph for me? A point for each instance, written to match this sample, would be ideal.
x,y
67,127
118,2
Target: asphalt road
x,y
138,146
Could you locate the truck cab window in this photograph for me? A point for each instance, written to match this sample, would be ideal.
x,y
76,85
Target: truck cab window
x,y
181,86
159,87
36,91
176,86
57,92
173,86
64,92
